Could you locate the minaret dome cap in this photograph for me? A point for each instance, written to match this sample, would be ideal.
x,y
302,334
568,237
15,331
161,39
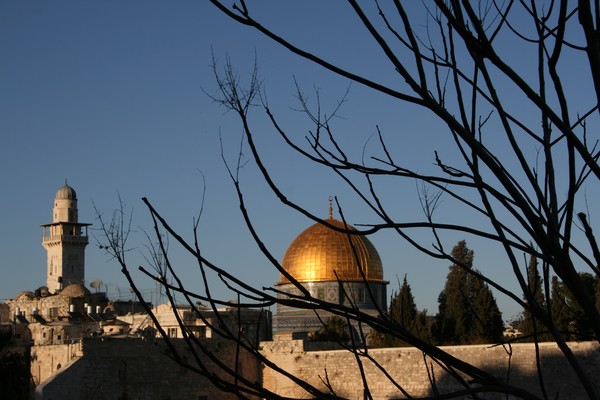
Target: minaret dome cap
x,y
66,193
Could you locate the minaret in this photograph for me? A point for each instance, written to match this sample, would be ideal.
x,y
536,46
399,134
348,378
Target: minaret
x,y
65,240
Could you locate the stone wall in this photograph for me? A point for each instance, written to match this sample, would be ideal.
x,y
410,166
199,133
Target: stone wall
x,y
50,359
129,369
408,367
119,368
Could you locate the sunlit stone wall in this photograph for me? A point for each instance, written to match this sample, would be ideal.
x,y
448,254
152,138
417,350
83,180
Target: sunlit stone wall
x,y
409,367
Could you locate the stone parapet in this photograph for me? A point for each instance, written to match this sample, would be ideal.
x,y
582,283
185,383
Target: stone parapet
x,y
409,367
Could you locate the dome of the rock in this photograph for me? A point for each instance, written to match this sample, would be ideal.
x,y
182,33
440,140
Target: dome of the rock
x,y
331,264
321,254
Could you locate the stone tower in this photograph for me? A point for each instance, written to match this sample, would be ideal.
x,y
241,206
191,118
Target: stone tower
x,y
65,240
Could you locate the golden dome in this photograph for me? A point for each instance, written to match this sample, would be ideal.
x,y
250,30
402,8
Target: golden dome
x,y
323,254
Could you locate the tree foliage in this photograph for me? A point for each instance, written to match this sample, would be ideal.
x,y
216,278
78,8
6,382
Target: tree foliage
x,y
488,326
334,330
468,312
560,309
402,306
565,312
403,311
15,377
570,317
532,328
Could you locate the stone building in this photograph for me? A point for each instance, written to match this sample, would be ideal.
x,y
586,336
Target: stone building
x,y
334,266
204,322
47,318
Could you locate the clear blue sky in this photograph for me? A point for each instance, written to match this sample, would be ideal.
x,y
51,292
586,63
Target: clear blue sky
x,y
110,95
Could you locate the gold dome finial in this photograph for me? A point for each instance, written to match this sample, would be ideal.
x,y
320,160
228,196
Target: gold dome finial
x,y
330,207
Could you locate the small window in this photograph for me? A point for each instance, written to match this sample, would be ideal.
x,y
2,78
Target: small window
x,y
202,332
361,295
172,332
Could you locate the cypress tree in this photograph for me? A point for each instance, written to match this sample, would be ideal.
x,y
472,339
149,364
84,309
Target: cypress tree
x,y
468,312
453,318
403,310
487,322
559,308
402,306
568,316
581,324
532,328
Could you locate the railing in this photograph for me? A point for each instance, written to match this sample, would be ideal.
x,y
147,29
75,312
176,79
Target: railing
x,y
66,238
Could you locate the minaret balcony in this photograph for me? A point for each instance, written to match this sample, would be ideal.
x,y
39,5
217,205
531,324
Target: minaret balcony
x,y
66,239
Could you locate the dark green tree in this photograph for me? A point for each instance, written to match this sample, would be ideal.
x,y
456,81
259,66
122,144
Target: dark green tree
x,y
487,324
580,321
402,306
335,330
532,328
403,311
15,376
468,312
567,314
453,322
423,326
561,316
